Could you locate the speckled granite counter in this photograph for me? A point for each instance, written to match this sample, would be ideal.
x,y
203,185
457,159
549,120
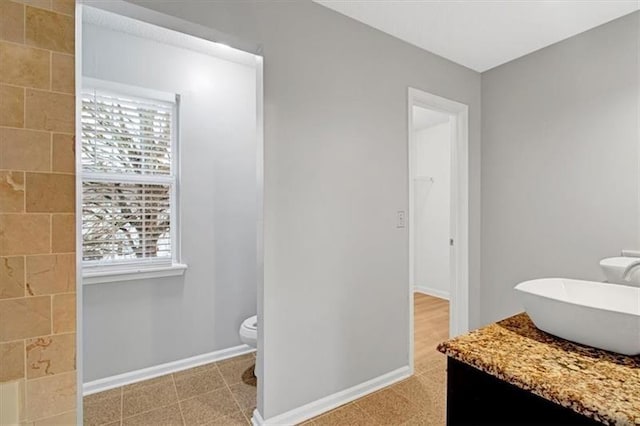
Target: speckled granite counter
x,y
595,383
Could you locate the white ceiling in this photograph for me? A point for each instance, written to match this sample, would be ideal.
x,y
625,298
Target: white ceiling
x,y
423,118
482,34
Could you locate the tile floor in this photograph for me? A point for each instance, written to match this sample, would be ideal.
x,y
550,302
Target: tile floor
x,y
418,400
224,393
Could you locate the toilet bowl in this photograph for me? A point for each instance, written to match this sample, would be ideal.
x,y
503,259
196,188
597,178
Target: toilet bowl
x,y
249,331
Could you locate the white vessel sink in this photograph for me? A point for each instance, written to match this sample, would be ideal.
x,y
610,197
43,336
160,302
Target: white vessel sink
x,y
602,315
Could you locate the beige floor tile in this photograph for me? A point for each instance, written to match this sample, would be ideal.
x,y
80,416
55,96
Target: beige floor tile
x,y
347,415
245,395
165,416
418,391
148,395
436,376
236,369
208,407
426,418
236,419
103,407
387,407
248,413
197,381
430,361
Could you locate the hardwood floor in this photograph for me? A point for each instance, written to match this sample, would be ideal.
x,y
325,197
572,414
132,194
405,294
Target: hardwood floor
x,y
431,326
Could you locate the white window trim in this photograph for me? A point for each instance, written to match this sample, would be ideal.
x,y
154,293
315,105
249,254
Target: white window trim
x,y
96,272
137,272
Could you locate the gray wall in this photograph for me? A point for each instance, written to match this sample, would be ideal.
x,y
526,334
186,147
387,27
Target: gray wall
x,y
335,309
560,174
136,324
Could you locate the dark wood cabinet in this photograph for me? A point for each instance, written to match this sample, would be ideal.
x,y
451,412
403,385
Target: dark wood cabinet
x,y
477,398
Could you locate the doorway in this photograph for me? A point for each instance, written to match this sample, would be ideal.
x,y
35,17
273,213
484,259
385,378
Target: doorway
x,y
169,125
438,222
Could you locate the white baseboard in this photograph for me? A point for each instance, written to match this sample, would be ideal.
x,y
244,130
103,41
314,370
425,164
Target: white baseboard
x,y
430,291
162,369
315,408
256,419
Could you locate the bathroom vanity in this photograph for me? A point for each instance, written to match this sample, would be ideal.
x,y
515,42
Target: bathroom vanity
x,y
512,373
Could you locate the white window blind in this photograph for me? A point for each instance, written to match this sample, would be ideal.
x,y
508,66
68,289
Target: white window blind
x,y
128,179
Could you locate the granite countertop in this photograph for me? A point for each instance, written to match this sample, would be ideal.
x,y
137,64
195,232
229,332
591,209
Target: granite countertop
x,y
598,384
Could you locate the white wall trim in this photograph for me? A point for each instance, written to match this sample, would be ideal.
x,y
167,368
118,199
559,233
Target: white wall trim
x,y
335,400
459,258
256,419
162,369
132,272
430,291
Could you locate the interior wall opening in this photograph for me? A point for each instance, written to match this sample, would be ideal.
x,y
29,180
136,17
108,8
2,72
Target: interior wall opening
x,y
169,211
430,228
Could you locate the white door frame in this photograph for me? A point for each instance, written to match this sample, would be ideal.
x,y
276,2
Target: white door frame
x,y
459,259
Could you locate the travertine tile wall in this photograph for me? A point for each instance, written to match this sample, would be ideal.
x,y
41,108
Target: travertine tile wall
x,y
37,202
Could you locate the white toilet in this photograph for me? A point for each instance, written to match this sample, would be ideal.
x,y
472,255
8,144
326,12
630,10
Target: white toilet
x,y
249,336
249,331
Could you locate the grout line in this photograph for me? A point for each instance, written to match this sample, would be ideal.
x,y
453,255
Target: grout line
x,y
50,70
50,233
26,295
42,8
144,412
50,151
24,107
40,172
121,405
37,89
175,389
154,408
31,214
24,25
24,193
41,335
39,419
51,312
179,401
33,130
24,376
24,267
232,394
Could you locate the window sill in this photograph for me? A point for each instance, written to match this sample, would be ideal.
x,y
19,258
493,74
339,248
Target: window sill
x,y
132,273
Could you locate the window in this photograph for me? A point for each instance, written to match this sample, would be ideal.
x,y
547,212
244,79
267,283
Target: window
x,y
128,182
